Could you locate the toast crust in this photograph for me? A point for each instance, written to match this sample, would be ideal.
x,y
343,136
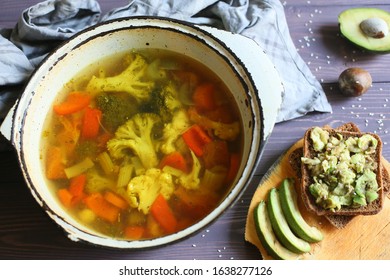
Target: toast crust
x,y
306,179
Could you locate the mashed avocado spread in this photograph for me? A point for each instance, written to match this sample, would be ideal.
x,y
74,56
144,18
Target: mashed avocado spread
x,y
343,170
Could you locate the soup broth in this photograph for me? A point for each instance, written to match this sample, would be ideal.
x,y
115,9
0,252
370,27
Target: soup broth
x,y
142,145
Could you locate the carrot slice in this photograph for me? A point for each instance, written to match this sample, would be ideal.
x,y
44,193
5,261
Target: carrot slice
x,y
115,200
134,232
91,123
216,153
203,97
163,214
195,204
55,168
102,208
196,138
65,197
77,185
233,168
223,114
75,102
175,160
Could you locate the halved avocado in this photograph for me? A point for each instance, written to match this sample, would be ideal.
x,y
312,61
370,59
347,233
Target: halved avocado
x,y
350,26
267,236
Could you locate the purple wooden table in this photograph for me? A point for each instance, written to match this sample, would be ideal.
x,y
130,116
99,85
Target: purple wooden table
x,y
26,232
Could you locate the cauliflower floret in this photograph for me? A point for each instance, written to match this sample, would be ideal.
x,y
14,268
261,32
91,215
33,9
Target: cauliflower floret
x,y
224,131
191,180
144,189
131,80
136,135
173,130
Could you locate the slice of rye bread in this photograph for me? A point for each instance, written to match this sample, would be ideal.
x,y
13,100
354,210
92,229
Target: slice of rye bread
x,y
338,221
309,200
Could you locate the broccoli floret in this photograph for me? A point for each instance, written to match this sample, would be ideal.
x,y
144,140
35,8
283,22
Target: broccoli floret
x,y
154,103
144,189
131,80
191,180
136,135
163,101
224,131
172,131
116,109
86,149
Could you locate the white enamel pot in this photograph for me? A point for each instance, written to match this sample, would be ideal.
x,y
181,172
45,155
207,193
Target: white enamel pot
x,y
239,61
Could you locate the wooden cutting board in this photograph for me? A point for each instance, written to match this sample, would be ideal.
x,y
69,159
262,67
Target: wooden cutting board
x,y
364,238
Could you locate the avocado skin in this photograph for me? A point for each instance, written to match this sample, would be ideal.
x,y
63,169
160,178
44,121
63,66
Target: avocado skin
x,y
281,228
267,237
298,225
349,24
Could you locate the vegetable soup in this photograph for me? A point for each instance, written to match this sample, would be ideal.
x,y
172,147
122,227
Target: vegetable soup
x,y
143,144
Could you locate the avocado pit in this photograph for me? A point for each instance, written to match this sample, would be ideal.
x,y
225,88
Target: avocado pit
x,y
354,81
374,27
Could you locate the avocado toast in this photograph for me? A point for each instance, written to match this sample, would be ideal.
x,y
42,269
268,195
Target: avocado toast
x,y
341,172
339,221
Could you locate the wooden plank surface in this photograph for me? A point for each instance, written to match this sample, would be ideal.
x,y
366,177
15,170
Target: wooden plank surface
x,y
26,231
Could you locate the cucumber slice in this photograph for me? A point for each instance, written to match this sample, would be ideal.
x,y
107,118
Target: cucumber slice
x,y
267,237
281,228
288,199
